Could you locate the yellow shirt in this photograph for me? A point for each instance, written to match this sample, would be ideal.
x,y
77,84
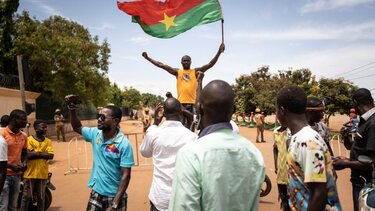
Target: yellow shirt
x,y
38,168
186,86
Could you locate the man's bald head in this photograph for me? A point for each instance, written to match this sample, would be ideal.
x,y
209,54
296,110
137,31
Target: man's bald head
x,y
186,62
217,102
172,109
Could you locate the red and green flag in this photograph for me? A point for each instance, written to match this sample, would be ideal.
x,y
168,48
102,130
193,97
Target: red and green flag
x,y
171,17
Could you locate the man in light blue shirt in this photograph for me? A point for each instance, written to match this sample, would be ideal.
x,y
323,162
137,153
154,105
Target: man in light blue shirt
x,y
221,171
113,158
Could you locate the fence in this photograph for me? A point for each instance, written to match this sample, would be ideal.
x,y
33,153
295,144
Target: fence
x,y
135,140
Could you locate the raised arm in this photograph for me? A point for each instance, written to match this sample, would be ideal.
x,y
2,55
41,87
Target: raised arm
x,y
200,76
169,69
74,120
204,68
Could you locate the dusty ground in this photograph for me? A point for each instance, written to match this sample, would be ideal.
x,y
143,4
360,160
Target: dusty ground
x,y
72,193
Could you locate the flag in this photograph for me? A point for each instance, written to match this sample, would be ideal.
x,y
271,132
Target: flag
x,y
171,17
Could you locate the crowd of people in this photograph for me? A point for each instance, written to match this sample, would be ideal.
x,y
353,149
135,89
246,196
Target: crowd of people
x,y
207,166
23,157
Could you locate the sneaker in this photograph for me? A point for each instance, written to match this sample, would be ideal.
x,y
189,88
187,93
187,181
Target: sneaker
x,y
263,141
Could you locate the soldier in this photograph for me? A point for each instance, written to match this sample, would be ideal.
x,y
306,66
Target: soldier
x,y
59,123
259,121
146,120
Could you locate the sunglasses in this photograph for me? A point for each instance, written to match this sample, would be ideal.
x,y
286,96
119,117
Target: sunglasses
x,y
101,116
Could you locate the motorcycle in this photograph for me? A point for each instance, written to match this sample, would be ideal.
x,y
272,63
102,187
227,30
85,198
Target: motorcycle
x,y
266,187
33,201
367,194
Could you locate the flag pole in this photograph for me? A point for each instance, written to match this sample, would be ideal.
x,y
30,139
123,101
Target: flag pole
x,y
222,22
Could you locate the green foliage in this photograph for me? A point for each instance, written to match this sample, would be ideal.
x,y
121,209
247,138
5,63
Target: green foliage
x,y
131,98
337,95
260,88
116,95
151,100
63,58
7,10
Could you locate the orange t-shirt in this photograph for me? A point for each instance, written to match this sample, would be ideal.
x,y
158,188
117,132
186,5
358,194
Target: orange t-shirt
x,y
186,86
16,142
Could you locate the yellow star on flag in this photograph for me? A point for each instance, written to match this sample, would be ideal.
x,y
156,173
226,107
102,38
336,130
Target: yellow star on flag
x,y
168,21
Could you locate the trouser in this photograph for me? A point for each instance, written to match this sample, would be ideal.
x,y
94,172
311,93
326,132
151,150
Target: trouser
x,y
188,121
99,202
283,197
152,207
260,130
9,195
60,130
37,186
356,189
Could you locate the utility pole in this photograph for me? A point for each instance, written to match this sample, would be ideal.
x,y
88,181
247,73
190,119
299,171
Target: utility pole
x,y
22,87
22,82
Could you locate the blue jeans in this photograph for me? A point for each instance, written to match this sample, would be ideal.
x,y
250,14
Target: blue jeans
x,y
356,190
9,195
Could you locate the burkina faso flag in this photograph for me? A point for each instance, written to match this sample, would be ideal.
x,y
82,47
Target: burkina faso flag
x,y
171,17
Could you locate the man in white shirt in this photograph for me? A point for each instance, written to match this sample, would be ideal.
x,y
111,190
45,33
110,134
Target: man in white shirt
x,y
162,144
3,161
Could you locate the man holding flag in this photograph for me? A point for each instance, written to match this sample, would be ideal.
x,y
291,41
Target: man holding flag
x,y
186,78
171,18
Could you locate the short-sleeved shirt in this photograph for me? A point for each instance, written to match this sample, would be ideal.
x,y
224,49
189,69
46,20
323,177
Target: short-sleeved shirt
x,y
16,142
309,161
146,120
109,157
364,143
38,168
186,86
259,121
281,139
324,133
3,149
59,120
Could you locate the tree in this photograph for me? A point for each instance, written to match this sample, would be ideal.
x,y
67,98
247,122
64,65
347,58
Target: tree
x,y
260,88
116,95
151,100
131,98
7,10
337,95
63,58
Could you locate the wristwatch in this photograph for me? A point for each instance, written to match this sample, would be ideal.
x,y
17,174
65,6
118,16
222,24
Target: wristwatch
x,y
114,205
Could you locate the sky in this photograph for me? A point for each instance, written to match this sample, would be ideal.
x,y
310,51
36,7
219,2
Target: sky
x,y
332,38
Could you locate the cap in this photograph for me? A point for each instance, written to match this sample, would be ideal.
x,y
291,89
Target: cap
x,y
257,110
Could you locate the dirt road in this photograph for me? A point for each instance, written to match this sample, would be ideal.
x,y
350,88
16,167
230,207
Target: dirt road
x,y
72,193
